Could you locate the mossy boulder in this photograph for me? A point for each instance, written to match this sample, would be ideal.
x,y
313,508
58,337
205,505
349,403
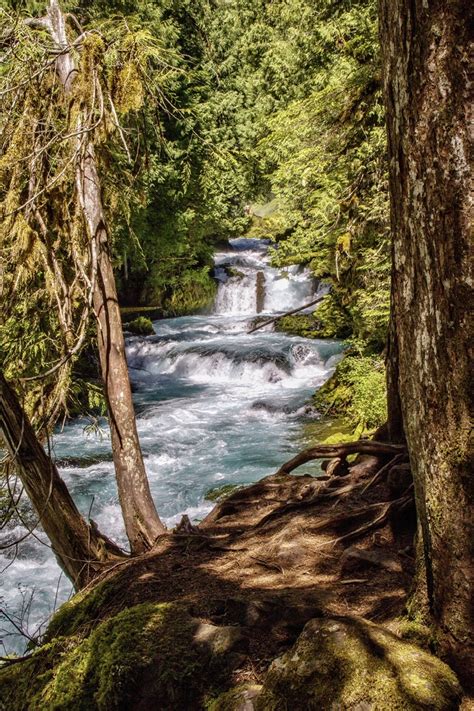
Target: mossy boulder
x,y
233,272
220,493
304,325
141,326
241,698
347,664
149,656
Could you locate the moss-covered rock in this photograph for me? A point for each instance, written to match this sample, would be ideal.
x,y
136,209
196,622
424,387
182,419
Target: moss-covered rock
x,y
299,325
356,390
233,272
149,656
348,664
141,326
219,493
241,698
193,291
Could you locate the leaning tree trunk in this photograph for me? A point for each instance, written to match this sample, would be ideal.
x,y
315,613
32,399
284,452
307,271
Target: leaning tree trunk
x,y
141,519
80,548
142,523
425,47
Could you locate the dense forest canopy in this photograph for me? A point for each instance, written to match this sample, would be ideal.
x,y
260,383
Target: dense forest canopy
x,y
258,104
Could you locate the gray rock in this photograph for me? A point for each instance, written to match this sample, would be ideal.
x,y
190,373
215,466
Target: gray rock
x,y
241,698
220,640
345,664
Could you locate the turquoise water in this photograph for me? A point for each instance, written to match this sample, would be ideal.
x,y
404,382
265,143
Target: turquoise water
x,y
215,405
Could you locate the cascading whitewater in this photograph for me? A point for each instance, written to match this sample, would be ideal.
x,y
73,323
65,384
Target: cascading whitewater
x,y
214,405
245,268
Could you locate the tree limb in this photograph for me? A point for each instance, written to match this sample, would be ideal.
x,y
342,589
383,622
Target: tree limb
x,y
286,313
331,451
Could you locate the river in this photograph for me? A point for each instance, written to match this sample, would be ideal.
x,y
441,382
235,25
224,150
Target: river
x,y
215,405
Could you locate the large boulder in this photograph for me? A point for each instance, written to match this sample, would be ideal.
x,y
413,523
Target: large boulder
x,y
353,665
141,326
149,656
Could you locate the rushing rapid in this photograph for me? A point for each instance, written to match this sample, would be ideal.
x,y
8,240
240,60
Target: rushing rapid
x,y
215,405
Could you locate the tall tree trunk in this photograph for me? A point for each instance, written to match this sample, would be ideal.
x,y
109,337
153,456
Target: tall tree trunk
x,y
80,548
425,46
141,519
142,523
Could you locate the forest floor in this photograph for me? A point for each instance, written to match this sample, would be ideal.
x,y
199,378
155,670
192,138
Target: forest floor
x,y
240,590
278,553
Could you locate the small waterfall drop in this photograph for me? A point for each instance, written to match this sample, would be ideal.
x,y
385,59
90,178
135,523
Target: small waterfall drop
x,y
248,285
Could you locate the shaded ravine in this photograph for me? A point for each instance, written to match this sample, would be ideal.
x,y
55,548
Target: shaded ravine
x,y
214,404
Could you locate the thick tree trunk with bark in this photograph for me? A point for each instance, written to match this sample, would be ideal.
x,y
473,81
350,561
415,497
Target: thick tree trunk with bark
x,y
142,523
425,45
141,519
80,548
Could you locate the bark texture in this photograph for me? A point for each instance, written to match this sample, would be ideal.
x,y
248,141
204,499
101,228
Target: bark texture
x,y
141,519
425,47
80,548
142,523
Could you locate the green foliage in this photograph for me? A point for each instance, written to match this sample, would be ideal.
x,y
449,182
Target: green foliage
x,y
141,326
221,105
47,253
325,160
356,390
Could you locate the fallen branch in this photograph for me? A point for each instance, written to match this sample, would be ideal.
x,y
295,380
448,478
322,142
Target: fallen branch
x,y
286,313
331,451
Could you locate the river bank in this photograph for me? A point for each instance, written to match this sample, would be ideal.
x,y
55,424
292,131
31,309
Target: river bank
x,y
219,613
290,594
215,406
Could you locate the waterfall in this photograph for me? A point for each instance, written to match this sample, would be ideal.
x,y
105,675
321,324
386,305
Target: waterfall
x,y
248,285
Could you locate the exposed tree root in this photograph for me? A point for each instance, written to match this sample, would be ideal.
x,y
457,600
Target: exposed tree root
x,y
330,451
387,508
328,492
384,470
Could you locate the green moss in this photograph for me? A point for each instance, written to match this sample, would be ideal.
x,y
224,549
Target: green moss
x,y
356,391
219,493
416,631
146,656
87,608
20,683
141,326
352,663
327,431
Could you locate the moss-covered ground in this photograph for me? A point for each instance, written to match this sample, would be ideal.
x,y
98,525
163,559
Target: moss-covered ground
x,y
198,621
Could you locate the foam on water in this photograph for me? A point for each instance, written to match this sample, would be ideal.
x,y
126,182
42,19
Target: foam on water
x,y
214,406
